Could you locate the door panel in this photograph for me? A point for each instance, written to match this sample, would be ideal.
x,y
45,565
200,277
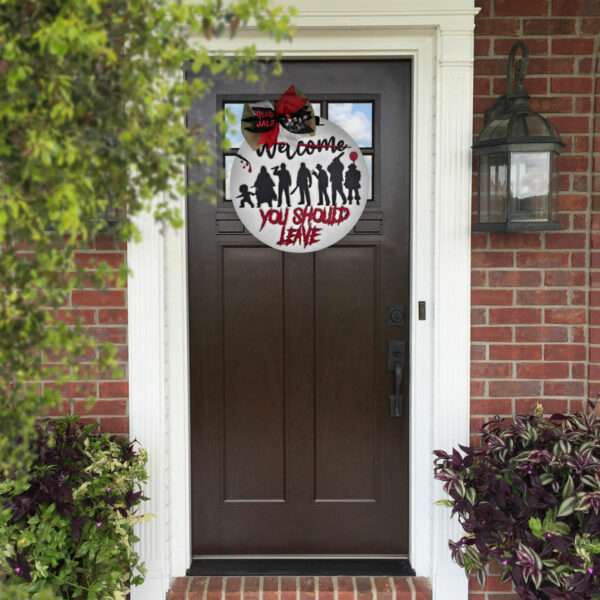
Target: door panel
x,y
254,387
294,450
345,375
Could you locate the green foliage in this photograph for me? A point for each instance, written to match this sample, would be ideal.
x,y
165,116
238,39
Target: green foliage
x,y
549,526
68,528
19,592
92,123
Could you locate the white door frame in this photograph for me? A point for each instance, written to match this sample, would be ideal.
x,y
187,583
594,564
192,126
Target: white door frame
x,y
439,40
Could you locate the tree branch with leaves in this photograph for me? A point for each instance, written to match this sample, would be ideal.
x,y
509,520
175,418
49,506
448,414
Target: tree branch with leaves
x,y
92,124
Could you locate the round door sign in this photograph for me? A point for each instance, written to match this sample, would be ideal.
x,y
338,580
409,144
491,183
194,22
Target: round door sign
x,y
304,192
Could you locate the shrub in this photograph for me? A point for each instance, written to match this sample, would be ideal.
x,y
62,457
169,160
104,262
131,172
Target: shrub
x,y
529,498
68,527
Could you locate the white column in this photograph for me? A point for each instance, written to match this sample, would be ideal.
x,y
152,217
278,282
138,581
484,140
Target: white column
x,y
178,400
452,281
147,402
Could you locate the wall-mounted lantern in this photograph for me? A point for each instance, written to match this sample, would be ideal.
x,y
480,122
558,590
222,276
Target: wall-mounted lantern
x,y
517,151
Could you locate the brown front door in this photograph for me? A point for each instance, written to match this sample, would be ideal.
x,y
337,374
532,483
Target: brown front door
x,y
294,447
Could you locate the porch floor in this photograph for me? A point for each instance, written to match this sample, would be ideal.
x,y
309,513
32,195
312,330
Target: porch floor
x,y
299,588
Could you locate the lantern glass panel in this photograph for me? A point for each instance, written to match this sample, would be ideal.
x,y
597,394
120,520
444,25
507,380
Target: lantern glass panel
x,y
536,126
496,129
530,186
493,169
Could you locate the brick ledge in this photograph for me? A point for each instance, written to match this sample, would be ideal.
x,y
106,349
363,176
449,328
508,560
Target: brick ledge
x,y
300,588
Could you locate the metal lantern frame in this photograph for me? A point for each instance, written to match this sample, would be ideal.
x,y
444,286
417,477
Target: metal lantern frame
x,y
511,130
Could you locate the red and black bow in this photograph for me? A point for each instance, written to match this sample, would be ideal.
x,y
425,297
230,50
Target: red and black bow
x,y
292,111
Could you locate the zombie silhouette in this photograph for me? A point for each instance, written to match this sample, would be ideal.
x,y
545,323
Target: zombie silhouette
x,y
352,183
245,196
323,183
336,174
303,183
285,182
265,188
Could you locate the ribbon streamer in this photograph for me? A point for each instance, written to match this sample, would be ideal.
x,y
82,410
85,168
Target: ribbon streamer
x,y
261,120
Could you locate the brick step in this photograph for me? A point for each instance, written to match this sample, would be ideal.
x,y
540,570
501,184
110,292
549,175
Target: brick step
x,y
299,588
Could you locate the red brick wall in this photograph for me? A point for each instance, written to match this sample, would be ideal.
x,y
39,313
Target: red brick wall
x,y
104,313
536,314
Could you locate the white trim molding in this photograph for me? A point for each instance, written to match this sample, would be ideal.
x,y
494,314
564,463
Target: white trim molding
x,y
437,35
147,396
452,283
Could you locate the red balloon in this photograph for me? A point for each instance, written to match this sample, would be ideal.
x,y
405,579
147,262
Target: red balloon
x,y
353,156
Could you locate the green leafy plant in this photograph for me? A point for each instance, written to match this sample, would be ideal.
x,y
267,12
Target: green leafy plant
x,y
529,499
93,132
92,125
68,527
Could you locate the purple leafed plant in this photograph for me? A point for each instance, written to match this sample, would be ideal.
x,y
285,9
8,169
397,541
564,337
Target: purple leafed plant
x,y
529,498
67,527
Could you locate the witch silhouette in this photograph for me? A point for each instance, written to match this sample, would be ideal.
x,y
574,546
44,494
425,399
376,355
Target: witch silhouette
x,y
265,188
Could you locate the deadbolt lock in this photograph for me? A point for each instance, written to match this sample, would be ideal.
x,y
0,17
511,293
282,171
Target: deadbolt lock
x,y
395,315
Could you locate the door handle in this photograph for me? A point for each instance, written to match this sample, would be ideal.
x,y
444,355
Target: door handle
x,y
396,352
396,399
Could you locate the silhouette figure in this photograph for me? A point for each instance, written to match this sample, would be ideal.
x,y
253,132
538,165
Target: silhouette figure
x,y
336,174
323,183
352,183
245,196
285,181
303,183
265,188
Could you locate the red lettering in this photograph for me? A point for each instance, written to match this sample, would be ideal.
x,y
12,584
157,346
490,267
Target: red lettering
x,y
344,215
301,236
274,216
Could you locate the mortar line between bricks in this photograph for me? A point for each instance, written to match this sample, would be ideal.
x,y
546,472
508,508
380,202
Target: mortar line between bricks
x,y
317,584
355,596
224,588
373,588
413,591
393,586
297,588
187,588
335,588
242,587
260,587
205,590
278,588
